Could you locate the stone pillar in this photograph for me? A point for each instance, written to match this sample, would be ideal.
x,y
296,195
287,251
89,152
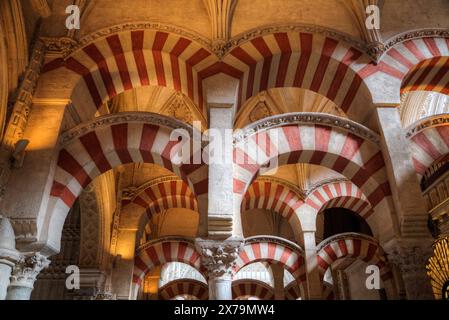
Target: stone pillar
x,y
312,288
219,258
278,279
8,254
341,285
408,201
24,275
221,195
410,256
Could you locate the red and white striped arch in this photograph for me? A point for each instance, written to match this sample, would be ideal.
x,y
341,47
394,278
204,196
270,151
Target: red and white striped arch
x,y
349,245
163,196
304,60
358,159
272,195
110,145
273,250
419,64
163,251
130,59
252,288
292,291
106,145
429,145
189,287
343,194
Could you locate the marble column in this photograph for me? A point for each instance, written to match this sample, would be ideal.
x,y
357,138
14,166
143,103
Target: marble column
x,y
24,274
313,285
219,258
8,254
410,256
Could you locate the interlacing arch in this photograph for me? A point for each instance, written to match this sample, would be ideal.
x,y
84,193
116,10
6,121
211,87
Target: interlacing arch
x,y
316,139
252,288
161,251
190,287
350,245
103,144
419,64
340,194
273,250
429,139
160,195
272,195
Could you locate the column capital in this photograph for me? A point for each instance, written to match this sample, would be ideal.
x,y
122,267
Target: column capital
x,y
27,269
409,255
219,257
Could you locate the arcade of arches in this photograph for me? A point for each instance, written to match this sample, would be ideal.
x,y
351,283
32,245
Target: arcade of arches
x,y
337,157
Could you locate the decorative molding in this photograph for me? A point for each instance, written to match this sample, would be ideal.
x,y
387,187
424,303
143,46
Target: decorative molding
x,y
306,118
125,117
426,123
141,25
415,34
273,239
344,236
24,229
270,29
59,47
219,257
22,106
130,193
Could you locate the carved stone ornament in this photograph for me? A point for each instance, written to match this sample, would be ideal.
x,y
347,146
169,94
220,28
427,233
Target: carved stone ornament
x,y
59,47
27,269
219,257
426,123
307,118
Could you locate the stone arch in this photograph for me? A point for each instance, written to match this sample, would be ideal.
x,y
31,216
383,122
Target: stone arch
x,y
350,245
317,139
161,251
420,64
429,141
292,291
128,56
298,58
273,250
158,195
251,287
92,149
342,194
189,287
272,195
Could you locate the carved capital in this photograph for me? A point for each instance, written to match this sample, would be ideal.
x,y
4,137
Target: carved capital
x,y
219,257
27,269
